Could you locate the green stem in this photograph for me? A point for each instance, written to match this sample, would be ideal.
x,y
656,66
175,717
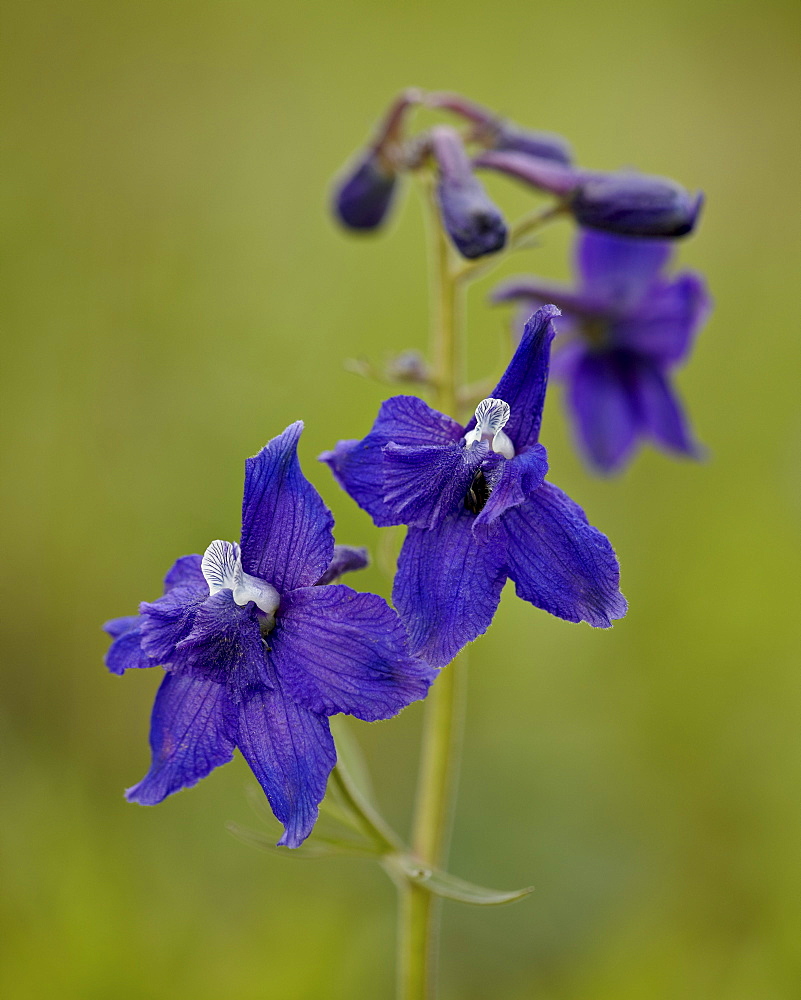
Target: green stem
x,y
444,712
443,720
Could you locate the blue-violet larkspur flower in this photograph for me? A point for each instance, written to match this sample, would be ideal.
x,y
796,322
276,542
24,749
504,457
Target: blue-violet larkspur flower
x,y
260,649
478,510
623,330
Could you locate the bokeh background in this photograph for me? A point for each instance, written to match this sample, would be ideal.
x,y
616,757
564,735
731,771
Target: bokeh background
x,y
174,293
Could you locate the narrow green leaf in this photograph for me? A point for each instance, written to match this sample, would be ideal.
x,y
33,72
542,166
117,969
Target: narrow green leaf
x,y
451,887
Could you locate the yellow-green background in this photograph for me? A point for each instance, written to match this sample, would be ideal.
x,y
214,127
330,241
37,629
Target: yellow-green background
x,y
174,293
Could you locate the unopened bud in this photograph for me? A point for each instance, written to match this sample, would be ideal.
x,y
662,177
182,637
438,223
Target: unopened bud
x,y
632,204
364,195
472,221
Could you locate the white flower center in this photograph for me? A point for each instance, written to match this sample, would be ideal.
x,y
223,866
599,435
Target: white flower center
x,y
222,568
492,415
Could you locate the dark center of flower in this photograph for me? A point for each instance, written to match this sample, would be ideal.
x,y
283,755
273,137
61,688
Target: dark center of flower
x,y
477,494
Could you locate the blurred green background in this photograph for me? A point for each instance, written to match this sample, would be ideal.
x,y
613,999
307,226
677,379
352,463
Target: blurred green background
x,y
174,293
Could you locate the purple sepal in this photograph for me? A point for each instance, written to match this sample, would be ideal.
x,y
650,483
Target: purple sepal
x,y
447,587
511,483
617,271
185,572
602,402
126,653
116,627
425,483
473,222
286,527
524,382
291,752
359,465
560,563
632,204
168,620
192,731
225,644
346,559
336,650
661,413
664,323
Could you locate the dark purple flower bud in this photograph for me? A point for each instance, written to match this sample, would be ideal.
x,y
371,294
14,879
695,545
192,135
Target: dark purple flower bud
x,y
625,203
364,195
363,201
632,204
498,133
472,221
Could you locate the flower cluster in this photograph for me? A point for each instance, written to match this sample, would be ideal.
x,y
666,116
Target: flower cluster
x,y
623,202
259,644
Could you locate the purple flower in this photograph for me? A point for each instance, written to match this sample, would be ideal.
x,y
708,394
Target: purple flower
x,y
626,203
471,220
478,510
364,194
624,329
259,650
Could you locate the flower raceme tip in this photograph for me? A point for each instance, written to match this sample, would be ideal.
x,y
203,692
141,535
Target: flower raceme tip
x,y
478,513
260,648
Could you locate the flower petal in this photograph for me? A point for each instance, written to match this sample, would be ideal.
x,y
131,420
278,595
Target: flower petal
x,y
424,483
126,652
524,382
603,409
191,733
336,650
447,587
346,559
291,752
168,620
511,482
116,627
559,562
665,323
186,572
225,644
661,412
359,465
286,527
618,270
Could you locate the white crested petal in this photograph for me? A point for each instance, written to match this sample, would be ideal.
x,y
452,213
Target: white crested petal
x,y
492,415
251,588
502,444
221,566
